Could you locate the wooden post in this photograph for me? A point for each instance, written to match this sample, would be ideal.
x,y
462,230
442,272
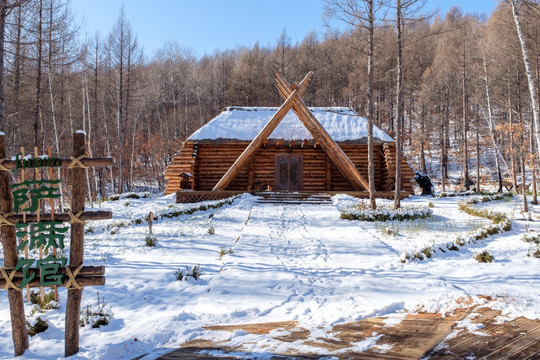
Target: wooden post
x,y
76,254
150,222
7,233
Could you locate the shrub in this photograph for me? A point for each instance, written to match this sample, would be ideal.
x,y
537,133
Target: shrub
x,y
484,257
211,230
48,302
132,196
430,204
222,252
535,253
95,316
195,273
150,241
390,231
385,213
531,238
179,274
452,247
39,326
427,252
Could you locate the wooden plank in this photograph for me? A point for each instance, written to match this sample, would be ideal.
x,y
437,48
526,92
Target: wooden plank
x,y
85,271
64,163
81,280
9,245
86,215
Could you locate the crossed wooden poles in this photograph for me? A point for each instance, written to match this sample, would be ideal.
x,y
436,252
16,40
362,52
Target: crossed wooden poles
x,y
78,276
291,95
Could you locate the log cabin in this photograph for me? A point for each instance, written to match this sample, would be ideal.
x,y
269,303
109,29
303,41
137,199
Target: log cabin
x,y
291,158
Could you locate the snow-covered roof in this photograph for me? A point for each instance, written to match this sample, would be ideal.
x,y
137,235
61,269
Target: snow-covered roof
x,y
244,123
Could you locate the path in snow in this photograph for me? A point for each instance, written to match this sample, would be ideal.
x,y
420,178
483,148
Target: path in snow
x,y
300,262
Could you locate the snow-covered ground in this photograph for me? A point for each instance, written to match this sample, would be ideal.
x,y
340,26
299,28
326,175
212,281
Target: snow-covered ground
x,y
282,263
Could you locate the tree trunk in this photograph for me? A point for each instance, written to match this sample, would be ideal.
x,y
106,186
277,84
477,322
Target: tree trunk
x,y
478,148
491,126
464,104
530,78
524,187
399,107
38,75
422,140
443,153
532,165
371,166
3,15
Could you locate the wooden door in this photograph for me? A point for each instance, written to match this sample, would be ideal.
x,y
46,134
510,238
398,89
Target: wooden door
x,y
289,172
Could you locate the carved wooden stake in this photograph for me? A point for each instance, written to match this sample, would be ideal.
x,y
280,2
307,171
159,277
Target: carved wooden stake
x,y
76,254
7,233
150,222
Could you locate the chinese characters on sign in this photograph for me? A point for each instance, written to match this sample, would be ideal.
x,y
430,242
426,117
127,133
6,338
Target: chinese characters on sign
x,y
46,234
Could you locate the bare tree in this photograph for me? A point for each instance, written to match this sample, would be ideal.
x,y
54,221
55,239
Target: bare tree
x,y
361,14
125,55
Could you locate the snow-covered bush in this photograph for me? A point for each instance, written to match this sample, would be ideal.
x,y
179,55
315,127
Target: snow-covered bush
x,y
535,253
453,194
488,198
195,273
385,213
495,217
531,238
36,325
500,223
150,241
96,316
484,257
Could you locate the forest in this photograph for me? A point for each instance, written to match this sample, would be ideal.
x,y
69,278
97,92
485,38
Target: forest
x,y
464,103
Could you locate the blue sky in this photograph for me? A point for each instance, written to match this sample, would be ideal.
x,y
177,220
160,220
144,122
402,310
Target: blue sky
x,y
209,25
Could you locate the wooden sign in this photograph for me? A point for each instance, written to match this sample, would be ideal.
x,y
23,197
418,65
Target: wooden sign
x,y
24,228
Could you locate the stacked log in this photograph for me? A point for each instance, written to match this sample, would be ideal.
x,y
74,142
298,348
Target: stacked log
x,y
183,162
407,174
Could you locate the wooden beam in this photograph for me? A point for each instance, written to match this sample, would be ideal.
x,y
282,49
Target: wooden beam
x,y
87,215
330,147
85,271
248,153
64,163
81,280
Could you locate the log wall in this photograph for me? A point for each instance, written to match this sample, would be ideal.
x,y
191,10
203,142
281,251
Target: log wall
x,y
184,161
208,162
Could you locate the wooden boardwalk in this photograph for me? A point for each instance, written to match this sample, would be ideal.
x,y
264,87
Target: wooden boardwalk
x,y
415,337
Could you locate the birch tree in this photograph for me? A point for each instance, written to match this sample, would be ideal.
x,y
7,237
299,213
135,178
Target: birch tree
x,y
516,6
